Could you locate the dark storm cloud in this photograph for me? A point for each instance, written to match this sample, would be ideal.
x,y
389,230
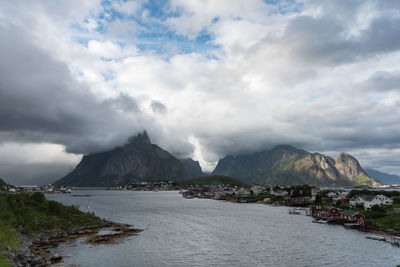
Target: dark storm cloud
x,y
40,101
158,107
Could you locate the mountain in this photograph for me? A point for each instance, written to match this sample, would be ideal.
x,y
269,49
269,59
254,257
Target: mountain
x,y
213,180
193,167
3,183
138,160
286,165
384,178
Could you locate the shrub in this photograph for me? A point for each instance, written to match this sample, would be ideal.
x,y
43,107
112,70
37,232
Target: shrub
x,y
38,197
377,208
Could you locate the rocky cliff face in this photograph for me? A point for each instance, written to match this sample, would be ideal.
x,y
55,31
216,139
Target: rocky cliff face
x,y
139,160
288,165
193,167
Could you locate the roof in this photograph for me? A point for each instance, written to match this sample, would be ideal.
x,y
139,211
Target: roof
x,y
349,213
369,198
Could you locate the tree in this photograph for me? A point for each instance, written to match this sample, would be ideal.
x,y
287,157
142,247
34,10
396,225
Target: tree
x,y
318,199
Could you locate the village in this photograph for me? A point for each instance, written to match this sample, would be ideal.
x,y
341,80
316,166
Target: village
x,y
364,209
45,189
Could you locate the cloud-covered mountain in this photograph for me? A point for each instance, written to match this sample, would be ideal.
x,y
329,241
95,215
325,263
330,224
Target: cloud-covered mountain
x,y
139,160
288,165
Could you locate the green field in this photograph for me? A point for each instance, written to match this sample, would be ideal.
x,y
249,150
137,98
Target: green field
x,y
36,215
213,180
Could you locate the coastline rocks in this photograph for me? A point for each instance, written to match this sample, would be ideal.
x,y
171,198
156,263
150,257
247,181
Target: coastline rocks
x,y
34,252
55,259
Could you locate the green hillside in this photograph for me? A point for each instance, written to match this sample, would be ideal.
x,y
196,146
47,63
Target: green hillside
x,y
213,180
34,214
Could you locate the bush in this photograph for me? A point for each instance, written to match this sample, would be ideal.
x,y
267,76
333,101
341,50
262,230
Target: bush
x,y
38,197
54,208
377,208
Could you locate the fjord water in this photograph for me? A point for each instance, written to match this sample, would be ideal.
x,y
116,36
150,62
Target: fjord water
x,y
204,232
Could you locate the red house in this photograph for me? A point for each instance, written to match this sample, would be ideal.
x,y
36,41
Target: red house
x,y
325,212
351,216
365,222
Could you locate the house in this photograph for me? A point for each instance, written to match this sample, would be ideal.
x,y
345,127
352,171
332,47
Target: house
x,y
243,192
356,200
314,193
351,216
279,192
256,189
325,212
379,200
365,222
345,202
300,201
385,200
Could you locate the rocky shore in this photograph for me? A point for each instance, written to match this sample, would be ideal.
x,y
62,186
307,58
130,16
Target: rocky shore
x,y
35,252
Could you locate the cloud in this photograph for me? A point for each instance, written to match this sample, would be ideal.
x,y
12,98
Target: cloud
x,y
205,78
41,101
158,107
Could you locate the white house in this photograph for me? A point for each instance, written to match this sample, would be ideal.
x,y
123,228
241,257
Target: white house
x,y
314,193
243,192
385,200
279,192
355,200
257,189
379,200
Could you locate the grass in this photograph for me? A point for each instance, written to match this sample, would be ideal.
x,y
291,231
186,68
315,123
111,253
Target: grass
x,y
36,215
8,238
213,180
390,221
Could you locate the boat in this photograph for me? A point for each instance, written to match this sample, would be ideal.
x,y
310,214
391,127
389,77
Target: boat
x,y
189,196
320,221
351,225
294,212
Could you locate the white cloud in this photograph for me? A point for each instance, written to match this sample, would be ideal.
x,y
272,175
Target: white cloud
x,y
320,76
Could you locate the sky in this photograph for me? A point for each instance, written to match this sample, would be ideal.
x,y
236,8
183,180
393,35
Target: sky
x,y
205,78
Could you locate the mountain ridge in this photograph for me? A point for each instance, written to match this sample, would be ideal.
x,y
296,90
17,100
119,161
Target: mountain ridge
x,y
285,164
385,178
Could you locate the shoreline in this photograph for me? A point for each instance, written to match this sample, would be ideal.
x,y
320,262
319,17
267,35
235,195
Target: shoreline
x,y
36,251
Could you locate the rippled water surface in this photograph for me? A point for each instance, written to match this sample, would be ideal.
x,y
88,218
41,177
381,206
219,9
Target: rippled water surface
x,y
203,232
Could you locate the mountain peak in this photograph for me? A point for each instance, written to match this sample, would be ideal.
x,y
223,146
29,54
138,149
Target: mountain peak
x,y
141,137
288,148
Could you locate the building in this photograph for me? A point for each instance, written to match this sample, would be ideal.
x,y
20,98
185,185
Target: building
x,y
314,193
242,192
378,200
256,189
351,216
279,192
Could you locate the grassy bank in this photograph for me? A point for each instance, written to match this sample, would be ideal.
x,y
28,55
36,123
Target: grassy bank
x,y
34,214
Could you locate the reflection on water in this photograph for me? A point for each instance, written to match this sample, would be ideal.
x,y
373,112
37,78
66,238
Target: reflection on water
x,y
203,232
